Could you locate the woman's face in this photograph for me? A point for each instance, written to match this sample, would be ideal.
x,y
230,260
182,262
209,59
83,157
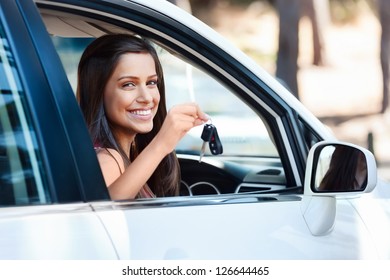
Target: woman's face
x,y
131,96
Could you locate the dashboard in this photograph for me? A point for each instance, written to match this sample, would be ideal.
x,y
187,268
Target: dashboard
x,y
229,175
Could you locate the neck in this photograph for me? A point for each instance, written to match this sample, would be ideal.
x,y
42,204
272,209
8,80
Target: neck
x,y
125,141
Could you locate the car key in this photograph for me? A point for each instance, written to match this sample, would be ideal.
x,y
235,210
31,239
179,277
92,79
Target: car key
x,y
207,134
215,143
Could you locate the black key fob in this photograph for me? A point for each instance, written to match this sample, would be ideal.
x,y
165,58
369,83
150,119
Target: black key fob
x,y
207,132
215,144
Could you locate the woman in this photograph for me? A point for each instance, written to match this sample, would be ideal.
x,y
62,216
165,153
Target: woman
x,y
122,96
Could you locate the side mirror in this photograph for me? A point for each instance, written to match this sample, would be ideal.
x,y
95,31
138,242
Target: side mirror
x,y
338,168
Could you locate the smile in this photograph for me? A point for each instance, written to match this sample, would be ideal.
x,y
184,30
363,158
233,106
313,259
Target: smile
x,y
141,112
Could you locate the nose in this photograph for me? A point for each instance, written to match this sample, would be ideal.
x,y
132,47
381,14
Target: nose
x,y
144,95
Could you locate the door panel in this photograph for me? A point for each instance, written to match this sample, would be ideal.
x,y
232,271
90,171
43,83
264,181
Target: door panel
x,y
259,230
53,232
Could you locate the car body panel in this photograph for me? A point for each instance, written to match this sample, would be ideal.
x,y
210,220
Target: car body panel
x,y
53,232
374,208
226,231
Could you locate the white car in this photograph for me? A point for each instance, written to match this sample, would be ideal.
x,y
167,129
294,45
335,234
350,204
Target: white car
x,y
263,198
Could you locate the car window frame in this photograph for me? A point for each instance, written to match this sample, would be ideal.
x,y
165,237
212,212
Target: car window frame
x,y
70,165
179,38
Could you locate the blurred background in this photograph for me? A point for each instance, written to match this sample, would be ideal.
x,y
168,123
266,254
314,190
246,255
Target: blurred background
x,y
333,55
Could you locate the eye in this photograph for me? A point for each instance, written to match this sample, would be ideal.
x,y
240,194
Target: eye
x,y
153,82
128,85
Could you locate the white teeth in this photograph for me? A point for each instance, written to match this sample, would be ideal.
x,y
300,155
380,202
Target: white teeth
x,y
142,112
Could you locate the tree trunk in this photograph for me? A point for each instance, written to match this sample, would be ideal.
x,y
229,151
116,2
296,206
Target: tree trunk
x,y
288,49
318,13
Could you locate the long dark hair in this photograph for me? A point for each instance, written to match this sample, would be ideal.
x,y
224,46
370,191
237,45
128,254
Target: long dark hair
x,y
95,68
341,175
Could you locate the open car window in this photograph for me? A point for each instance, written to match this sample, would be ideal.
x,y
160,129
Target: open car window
x,y
249,155
251,161
242,131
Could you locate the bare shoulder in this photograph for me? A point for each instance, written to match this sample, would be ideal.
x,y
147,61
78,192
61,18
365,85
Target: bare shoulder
x,y
111,164
107,152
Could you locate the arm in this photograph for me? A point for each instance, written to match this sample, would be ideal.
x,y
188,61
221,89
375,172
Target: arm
x,y
179,121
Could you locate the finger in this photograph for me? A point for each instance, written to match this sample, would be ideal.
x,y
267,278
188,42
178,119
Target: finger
x,y
202,115
181,122
194,110
198,122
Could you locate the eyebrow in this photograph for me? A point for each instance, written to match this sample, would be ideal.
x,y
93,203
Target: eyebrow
x,y
136,78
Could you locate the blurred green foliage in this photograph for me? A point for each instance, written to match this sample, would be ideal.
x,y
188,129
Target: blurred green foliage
x,y
343,11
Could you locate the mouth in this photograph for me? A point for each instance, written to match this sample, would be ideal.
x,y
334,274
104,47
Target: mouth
x,y
144,112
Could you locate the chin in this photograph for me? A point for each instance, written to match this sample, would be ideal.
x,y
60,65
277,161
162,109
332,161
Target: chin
x,y
144,130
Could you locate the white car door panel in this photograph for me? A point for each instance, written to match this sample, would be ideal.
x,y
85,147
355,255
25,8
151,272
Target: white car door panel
x,y
260,230
48,232
374,208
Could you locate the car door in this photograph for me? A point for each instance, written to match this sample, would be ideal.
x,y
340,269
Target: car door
x,y
43,209
250,225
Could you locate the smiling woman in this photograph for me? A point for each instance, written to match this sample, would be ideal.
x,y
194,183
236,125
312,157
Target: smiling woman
x,y
122,95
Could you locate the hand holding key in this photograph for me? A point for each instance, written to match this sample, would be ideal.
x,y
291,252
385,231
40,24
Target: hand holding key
x,y
179,120
210,135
